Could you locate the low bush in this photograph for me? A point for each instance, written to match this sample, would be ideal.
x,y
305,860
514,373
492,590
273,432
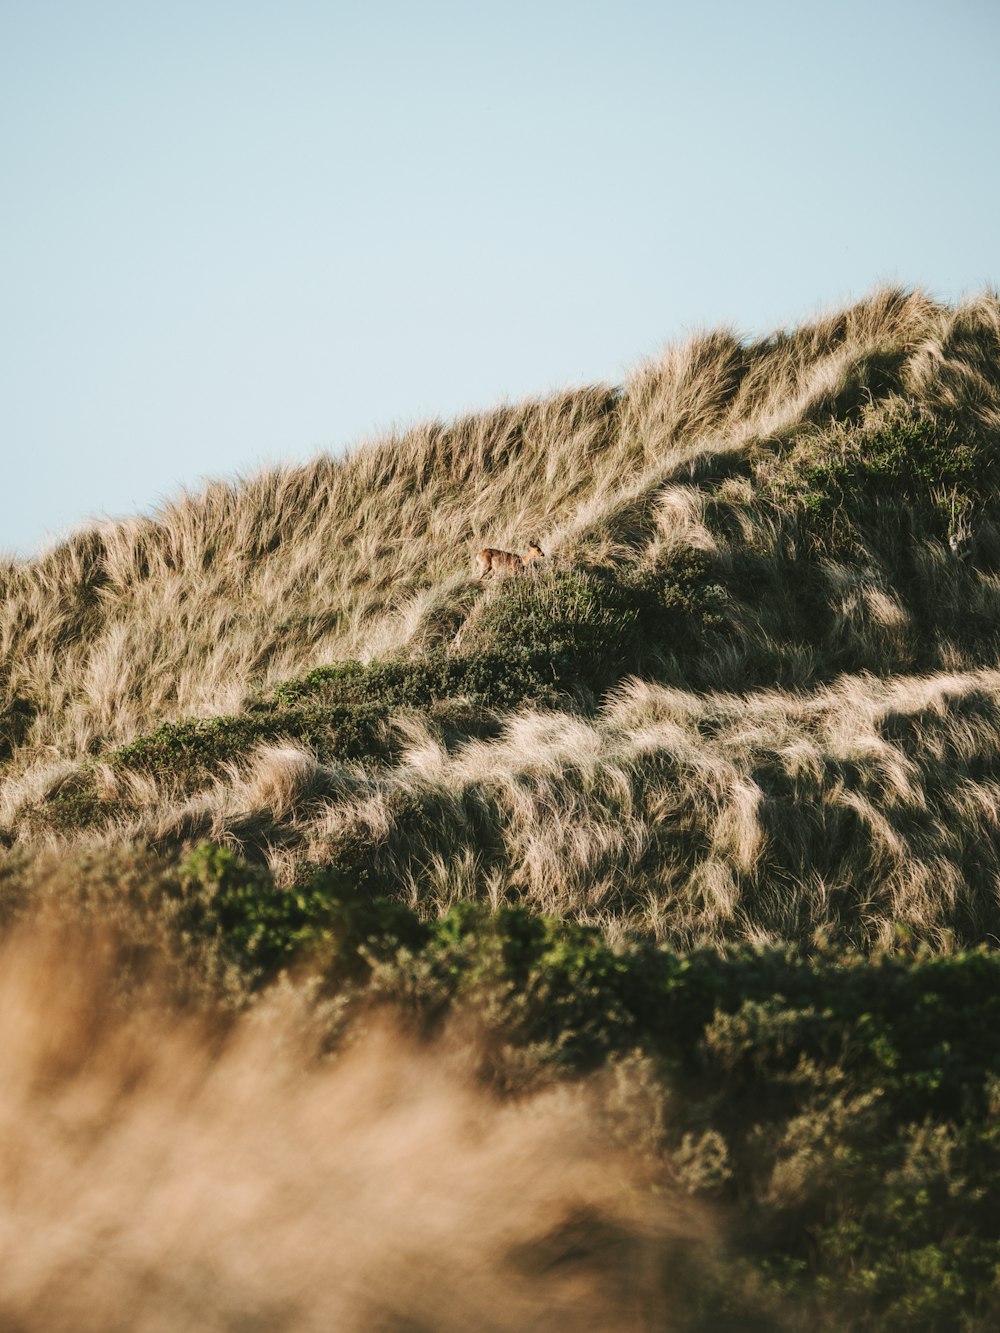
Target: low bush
x,y
584,624
487,680
194,749
596,624
843,1109
912,470
262,928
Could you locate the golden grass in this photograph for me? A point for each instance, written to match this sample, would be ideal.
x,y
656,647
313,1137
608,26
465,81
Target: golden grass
x,y
159,1171
854,811
862,806
219,593
165,1171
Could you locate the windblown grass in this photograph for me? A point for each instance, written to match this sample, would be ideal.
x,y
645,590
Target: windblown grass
x,y
866,812
192,611
805,518
160,1173
750,699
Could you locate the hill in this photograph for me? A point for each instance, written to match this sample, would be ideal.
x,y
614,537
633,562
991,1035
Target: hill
x,y
792,544
700,812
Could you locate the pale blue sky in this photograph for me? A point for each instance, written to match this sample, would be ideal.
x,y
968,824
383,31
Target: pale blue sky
x,y
237,231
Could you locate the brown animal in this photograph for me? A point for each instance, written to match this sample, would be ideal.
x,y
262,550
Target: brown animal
x,y
506,562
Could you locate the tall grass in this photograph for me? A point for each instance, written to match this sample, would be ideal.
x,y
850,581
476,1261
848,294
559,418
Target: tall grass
x,y
865,812
223,592
784,516
161,1172
751,697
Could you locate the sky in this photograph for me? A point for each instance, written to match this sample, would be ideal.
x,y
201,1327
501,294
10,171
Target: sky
x,y
238,232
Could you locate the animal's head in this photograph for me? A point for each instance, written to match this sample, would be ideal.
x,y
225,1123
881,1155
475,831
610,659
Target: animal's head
x,y
535,552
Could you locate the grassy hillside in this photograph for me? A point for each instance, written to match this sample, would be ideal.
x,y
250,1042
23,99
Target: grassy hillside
x,y
794,544
745,452
698,820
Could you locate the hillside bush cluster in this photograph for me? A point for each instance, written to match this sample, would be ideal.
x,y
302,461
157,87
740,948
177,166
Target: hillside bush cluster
x,y
840,1111
911,472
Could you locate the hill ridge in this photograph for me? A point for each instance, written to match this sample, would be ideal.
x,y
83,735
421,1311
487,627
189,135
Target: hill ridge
x,y
772,516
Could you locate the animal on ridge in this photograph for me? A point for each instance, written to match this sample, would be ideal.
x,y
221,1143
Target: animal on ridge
x,y
491,561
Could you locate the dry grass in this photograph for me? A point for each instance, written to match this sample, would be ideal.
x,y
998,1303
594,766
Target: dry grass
x,y
224,592
160,1172
857,806
856,811
166,1171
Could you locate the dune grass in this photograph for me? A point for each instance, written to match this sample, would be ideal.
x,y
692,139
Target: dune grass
x,y
693,828
789,548
224,593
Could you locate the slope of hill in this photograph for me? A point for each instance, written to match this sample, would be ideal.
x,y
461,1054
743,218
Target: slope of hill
x,y
801,514
744,719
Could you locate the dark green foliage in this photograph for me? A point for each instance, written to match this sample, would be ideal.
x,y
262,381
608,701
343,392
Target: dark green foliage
x,y
583,623
181,748
75,804
262,928
914,468
925,1029
681,602
342,680
488,680
592,626
845,1109
190,751
551,985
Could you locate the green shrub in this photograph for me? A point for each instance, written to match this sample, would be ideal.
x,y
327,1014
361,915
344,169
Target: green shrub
x,y
592,626
192,750
847,1107
344,681
912,466
681,601
262,928
487,680
183,748
584,622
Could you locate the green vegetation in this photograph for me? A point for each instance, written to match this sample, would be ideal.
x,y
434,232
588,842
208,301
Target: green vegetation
x,y
842,1109
593,625
261,928
698,816
192,750
915,468
488,680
